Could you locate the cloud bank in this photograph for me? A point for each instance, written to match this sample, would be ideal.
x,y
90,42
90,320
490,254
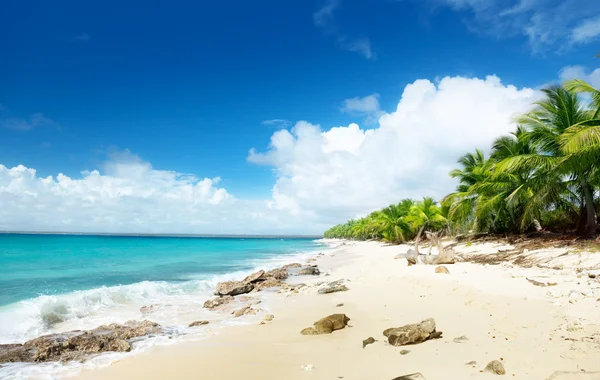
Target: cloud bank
x,y
323,176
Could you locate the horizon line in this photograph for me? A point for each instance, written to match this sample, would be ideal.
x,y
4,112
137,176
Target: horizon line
x,y
149,234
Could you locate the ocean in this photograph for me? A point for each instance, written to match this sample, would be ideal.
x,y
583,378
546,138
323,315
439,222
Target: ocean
x,y
53,283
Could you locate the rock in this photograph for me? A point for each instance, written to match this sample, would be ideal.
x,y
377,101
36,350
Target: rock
x,y
404,352
278,274
412,376
293,265
495,367
14,353
442,269
460,339
198,323
412,334
327,325
242,311
333,289
309,271
254,277
218,301
78,344
339,305
270,282
369,340
269,317
233,288
472,363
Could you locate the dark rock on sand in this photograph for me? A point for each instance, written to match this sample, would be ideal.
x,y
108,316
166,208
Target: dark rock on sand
x,y
78,344
214,303
309,271
333,289
460,339
327,325
412,376
495,367
198,323
404,352
233,288
369,340
278,274
339,305
412,334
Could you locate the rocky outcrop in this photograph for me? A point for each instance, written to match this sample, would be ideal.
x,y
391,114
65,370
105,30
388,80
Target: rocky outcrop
x,y
309,271
270,282
233,288
216,302
495,367
327,325
74,345
293,265
278,274
412,334
198,323
254,277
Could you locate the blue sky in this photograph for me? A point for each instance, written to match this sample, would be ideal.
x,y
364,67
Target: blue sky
x,y
189,86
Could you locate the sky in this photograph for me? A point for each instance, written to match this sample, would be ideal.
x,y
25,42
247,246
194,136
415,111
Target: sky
x,y
265,116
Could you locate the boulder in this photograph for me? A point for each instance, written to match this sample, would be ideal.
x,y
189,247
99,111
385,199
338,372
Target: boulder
x,y
198,323
78,344
442,269
495,367
412,376
293,265
412,334
214,303
278,274
333,289
233,288
254,277
327,325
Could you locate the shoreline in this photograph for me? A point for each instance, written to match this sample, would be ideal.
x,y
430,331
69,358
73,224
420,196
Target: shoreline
x,y
505,312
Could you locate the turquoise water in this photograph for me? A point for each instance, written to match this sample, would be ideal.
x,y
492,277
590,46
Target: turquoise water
x,y
50,279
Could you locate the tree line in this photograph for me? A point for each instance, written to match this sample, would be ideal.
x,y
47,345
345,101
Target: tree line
x,y
543,176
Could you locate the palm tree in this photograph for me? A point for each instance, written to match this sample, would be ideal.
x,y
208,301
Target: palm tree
x,y
548,126
392,221
425,214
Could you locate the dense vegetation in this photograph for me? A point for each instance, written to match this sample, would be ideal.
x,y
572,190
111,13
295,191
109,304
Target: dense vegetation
x,y
544,176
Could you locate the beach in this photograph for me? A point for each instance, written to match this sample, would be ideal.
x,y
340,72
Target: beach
x,y
536,312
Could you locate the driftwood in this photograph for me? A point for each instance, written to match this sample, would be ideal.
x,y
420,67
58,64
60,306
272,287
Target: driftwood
x,y
444,256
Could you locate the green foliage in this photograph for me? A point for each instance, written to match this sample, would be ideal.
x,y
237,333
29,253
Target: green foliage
x,y
545,175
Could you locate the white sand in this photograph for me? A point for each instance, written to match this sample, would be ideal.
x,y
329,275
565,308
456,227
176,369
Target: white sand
x,y
533,330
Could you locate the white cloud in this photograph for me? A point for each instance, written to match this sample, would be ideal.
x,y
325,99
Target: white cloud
x,y
324,19
546,23
323,176
347,171
587,30
580,72
367,107
21,124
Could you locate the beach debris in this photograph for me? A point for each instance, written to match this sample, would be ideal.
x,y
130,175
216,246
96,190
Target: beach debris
x,y
471,363
233,288
404,352
269,317
413,333
198,323
442,269
495,367
369,340
542,284
339,305
327,325
308,367
412,376
460,339
76,345
333,287
214,303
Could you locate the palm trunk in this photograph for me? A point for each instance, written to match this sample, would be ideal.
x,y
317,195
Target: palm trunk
x,y
592,224
582,218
